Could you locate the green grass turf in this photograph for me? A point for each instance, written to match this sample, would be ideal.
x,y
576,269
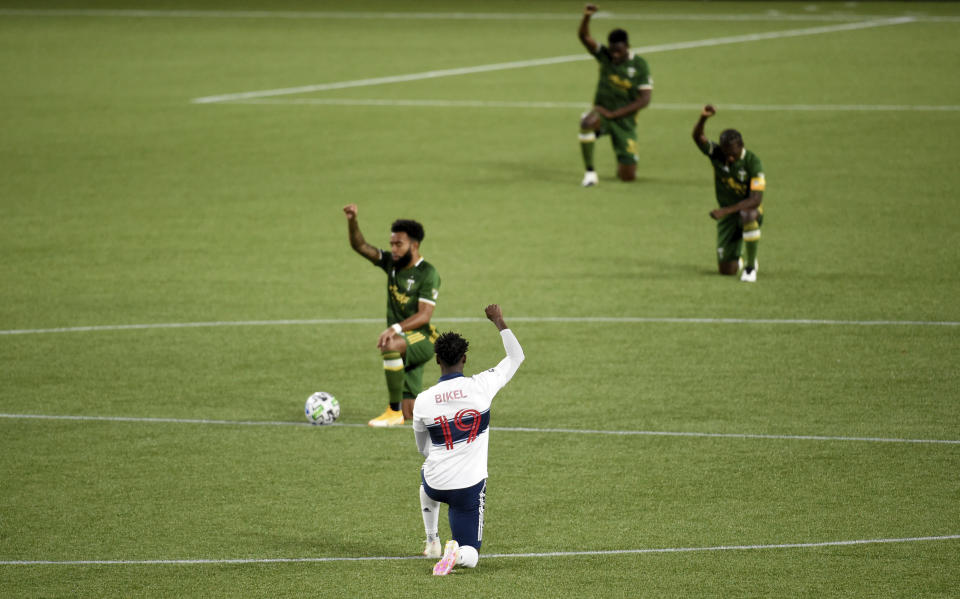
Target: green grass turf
x,y
121,202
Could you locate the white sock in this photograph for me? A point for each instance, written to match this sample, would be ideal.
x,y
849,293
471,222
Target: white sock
x,y
467,557
430,510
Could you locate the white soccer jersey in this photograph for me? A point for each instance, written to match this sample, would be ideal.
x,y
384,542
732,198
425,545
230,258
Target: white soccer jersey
x,y
451,421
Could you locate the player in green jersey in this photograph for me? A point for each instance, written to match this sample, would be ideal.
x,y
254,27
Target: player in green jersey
x,y
413,286
740,183
623,89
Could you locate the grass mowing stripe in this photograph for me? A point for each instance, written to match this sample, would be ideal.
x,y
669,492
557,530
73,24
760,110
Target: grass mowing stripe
x,y
283,560
710,42
508,429
466,319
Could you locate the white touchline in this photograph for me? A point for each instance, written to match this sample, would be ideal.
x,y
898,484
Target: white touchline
x,y
604,552
719,41
533,104
729,547
508,429
193,325
382,80
529,319
722,435
768,16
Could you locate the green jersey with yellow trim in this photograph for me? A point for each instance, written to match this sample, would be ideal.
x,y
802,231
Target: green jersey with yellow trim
x,y
408,287
620,84
734,182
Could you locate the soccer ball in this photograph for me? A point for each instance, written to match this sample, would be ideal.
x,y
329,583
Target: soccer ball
x,y
322,408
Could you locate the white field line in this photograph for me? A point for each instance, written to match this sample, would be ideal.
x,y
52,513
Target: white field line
x,y
722,435
454,320
719,41
607,552
193,325
769,16
507,429
585,105
390,79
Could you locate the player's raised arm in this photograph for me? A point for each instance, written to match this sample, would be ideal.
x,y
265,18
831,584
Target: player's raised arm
x,y
357,241
495,314
698,136
584,31
509,365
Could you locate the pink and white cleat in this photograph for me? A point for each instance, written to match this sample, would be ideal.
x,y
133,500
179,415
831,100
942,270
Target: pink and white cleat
x,y
450,555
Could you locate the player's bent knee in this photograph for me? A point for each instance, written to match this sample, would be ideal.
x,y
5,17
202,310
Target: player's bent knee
x,y
396,345
589,121
392,360
728,268
751,231
469,557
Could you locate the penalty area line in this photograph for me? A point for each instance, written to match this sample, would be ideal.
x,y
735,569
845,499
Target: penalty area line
x,y
608,552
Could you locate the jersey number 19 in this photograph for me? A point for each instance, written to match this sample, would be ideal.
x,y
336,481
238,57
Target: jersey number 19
x,y
460,421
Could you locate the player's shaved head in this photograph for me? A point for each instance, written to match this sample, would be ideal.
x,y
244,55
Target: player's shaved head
x,y
730,137
731,144
450,348
617,36
618,46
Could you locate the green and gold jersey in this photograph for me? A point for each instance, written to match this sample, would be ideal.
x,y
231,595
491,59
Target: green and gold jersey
x,y
408,287
735,181
620,84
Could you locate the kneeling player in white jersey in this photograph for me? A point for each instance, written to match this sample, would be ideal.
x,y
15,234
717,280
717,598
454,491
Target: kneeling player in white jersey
x,y
451,422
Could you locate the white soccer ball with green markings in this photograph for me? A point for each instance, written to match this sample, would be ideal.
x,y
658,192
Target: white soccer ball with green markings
x,y
322,408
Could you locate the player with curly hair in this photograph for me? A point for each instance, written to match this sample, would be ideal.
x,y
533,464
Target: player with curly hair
x,y
413,286
451,421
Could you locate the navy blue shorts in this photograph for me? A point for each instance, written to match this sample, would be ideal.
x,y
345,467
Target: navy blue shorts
x,y
466,511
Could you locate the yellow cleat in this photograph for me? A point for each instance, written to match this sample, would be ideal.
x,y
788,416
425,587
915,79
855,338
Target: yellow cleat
x,y
388,418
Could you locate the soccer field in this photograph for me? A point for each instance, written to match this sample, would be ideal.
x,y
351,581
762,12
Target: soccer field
x,y
177,280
